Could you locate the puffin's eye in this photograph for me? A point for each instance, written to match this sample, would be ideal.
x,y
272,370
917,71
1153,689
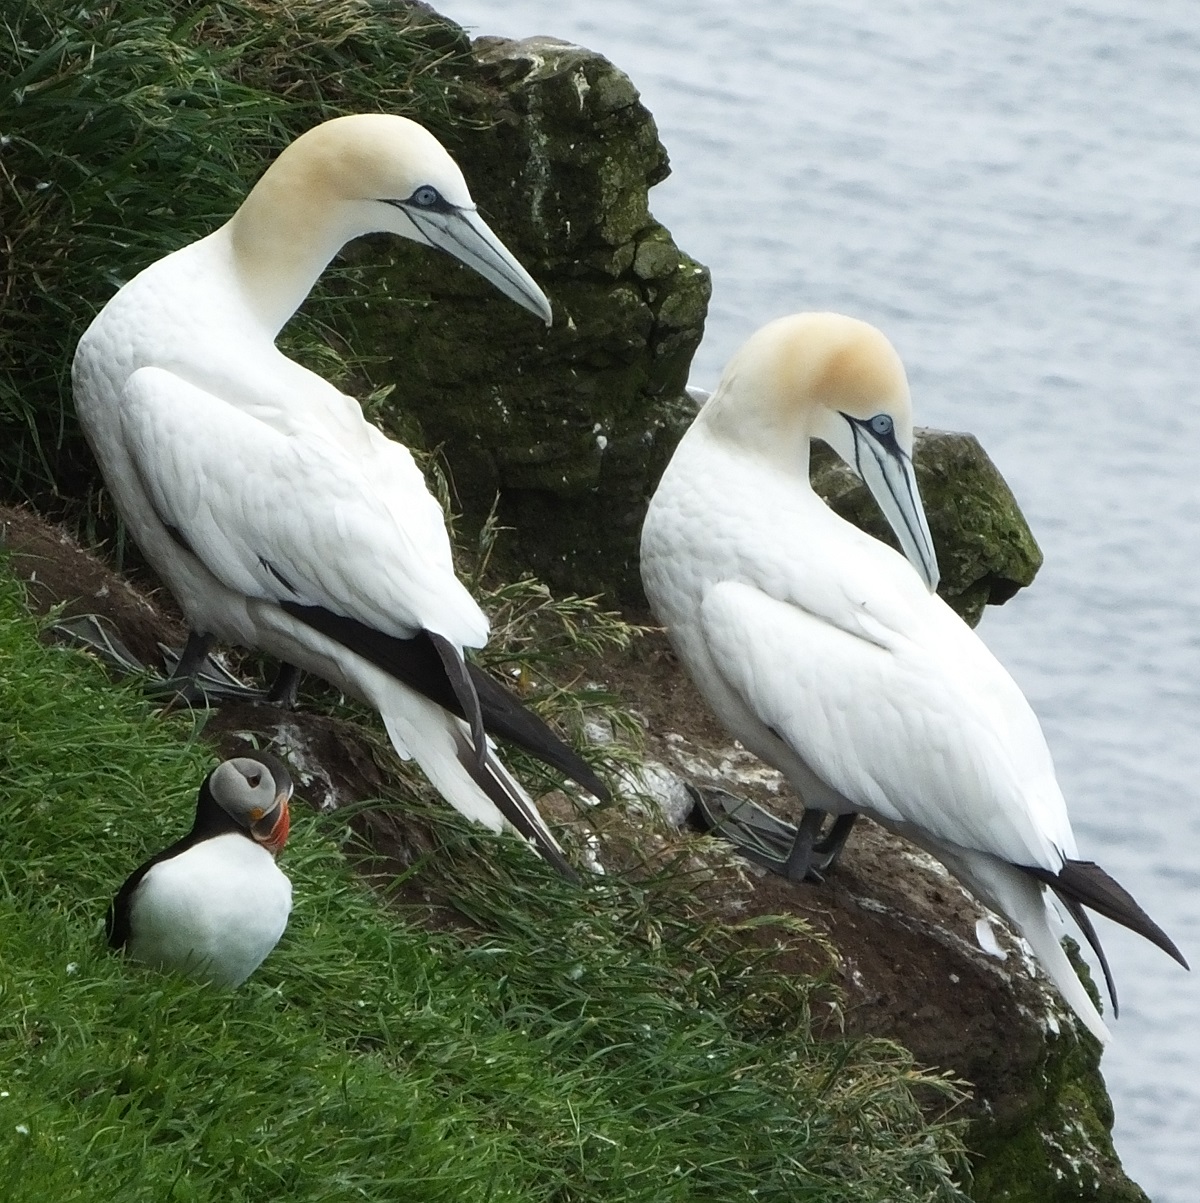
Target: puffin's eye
x,y
253,782
881,424
426,197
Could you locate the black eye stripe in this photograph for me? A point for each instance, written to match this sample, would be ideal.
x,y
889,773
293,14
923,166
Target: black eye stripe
x,y
881,428
425,199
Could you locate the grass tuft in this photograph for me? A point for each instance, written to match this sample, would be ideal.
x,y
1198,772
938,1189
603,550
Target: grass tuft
x,y
97,100
574,1045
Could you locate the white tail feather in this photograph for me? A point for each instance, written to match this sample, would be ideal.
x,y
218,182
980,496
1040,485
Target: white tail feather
x,y
1025,904
432,736
440,743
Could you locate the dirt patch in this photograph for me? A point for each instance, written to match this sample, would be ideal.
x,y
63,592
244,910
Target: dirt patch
x,y
59,572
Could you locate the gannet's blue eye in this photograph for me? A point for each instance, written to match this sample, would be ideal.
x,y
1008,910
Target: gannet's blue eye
x,y
881,424
426,197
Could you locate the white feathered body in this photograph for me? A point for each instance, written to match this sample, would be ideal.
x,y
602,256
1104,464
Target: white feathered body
x,y
823,652
193,413
213,912
282,490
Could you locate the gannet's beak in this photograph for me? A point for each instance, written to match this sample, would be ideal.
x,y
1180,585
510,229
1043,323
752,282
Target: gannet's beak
x,y
466,236
887,470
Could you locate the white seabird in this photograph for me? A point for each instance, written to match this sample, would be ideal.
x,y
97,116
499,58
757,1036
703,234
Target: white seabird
x,y
214,903
277,515
829,657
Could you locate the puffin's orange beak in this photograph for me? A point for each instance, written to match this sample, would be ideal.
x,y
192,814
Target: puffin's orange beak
x,y
271,831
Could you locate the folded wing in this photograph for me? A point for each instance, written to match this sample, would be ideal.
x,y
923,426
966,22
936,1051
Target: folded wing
x,y
289,517
851,706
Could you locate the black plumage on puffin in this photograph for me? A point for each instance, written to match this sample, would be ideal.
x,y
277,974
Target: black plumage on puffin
x,y
214,904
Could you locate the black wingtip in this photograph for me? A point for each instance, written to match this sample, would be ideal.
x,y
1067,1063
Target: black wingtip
x,y
507,716
1085,883
422,664
1076,911
531,826
464,690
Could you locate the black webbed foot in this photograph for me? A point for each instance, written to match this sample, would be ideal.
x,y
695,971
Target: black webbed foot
x,y
799,853
193,677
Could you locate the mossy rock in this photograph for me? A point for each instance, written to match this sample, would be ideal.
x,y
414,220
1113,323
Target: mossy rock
x,y
1056,1147
985,548
569,427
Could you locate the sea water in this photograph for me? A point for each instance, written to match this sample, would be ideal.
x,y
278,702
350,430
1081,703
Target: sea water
x,y
1010,191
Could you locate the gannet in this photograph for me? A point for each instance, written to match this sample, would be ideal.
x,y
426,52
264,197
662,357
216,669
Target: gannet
x,y
276,514
214,903
830,656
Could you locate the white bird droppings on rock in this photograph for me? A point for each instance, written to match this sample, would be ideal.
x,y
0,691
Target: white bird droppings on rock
x,y
987,940
653,782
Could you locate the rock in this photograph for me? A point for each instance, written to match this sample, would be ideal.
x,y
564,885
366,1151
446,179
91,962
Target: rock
x,y
570,426
985,548
917,964
653,785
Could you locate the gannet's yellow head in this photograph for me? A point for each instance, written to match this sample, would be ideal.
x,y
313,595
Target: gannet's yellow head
x,y
792,377
375,156
370,173
835,378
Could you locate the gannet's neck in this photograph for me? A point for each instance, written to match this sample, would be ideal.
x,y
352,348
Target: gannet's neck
x,y
776,438
284,236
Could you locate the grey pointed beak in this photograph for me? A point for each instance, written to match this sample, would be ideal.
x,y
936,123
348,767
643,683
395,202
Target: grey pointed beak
x,y
466,236
888,472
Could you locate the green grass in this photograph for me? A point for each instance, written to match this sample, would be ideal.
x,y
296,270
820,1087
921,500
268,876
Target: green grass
x,y
607,1044
130,129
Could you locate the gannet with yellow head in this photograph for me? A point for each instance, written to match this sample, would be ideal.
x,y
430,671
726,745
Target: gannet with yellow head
x,y
277,515
830,656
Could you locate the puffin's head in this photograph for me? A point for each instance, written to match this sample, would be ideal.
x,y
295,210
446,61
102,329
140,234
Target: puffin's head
x,y
254,791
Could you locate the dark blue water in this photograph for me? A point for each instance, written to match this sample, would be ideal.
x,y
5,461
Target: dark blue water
x,y
1010,191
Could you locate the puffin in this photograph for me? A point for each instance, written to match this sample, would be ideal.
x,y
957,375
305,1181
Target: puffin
x,y
280,518
214,904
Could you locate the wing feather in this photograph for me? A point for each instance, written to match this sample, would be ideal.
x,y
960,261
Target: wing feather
x,y
293,517
898,731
